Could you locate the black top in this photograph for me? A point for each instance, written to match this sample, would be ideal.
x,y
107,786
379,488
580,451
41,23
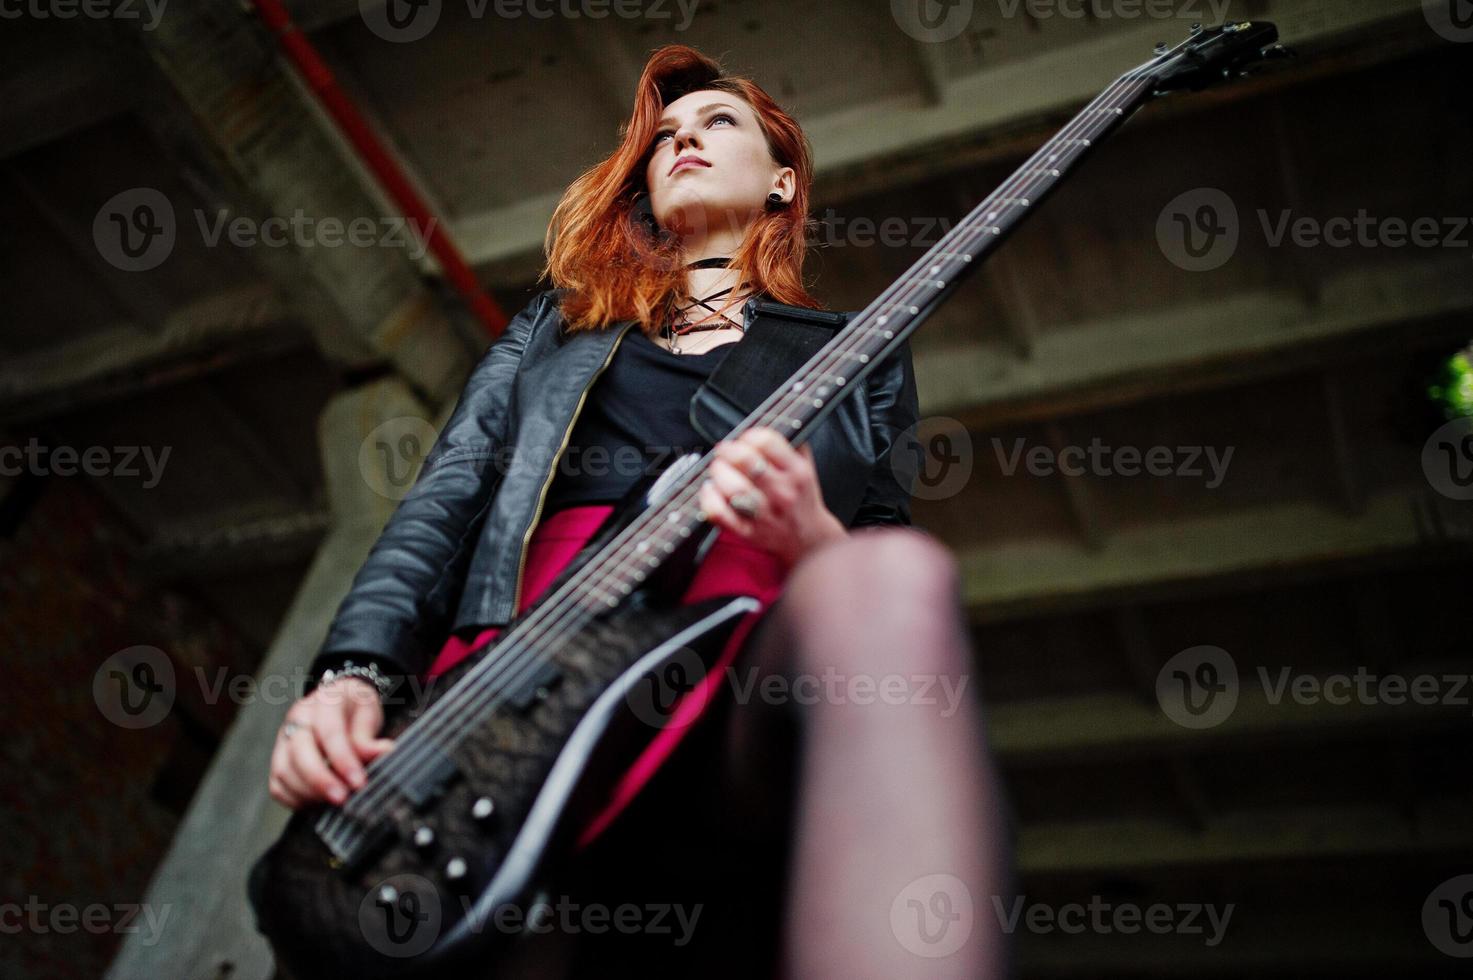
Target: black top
x,y
635,421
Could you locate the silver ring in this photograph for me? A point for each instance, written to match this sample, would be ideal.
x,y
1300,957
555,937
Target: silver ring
x,y
745,503
288,728
757,470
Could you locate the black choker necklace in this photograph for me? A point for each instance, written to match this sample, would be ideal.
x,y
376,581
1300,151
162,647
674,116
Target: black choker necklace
x,y
715,262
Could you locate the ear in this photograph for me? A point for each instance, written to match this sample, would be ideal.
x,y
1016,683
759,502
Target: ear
x,y
785,182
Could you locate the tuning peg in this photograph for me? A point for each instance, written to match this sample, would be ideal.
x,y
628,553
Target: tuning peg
x,y
1278,52
1196,29
1162,47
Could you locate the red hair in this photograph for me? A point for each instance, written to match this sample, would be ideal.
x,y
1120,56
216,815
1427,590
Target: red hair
x,y
603,245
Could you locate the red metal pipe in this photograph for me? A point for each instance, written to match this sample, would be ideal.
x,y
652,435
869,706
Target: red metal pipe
x,y
299,51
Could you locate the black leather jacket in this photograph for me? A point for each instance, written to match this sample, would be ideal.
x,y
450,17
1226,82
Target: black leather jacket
x,y
451,556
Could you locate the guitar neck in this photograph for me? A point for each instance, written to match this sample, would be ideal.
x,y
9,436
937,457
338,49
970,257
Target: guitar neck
x,y
878,329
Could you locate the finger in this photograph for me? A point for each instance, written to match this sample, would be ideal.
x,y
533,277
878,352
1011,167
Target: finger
x,y
730,480
772,445
332,735
281,794
286,772
307,762
364,721
375,748
277,784
719,512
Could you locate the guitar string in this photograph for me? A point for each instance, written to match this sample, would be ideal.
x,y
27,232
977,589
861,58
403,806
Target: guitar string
x,y
509,663
480,681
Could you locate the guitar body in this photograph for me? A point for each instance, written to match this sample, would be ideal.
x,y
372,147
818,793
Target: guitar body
x,y
546,762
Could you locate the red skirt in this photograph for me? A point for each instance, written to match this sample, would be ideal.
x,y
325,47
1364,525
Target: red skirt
x,y
732,567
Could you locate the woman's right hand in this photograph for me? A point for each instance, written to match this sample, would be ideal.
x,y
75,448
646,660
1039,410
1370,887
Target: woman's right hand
x,y
335,735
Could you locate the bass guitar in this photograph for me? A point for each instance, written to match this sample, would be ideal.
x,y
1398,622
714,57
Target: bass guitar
x,y
496,764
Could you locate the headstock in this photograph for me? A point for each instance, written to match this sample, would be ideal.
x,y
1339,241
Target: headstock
x,y
1215,55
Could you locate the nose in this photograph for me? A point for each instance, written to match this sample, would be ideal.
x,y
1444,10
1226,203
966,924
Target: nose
x,y
686,137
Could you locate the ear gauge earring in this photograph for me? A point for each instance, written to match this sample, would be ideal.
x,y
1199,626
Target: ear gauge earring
x,y
774,199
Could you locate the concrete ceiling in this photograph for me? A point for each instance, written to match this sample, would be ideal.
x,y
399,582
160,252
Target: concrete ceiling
x,y
1323,543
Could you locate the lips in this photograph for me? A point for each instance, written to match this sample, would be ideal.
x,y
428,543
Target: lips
x,y
688,161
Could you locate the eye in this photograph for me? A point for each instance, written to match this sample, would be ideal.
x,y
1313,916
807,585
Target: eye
x,y
724,115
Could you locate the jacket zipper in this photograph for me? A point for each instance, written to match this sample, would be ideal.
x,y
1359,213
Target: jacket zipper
x,y
516,599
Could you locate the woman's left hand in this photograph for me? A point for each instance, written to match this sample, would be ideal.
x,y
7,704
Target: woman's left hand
x,y
789,517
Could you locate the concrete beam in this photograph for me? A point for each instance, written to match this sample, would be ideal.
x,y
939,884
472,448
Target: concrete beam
x,y
1031,578
1117,727
1247,835
55,84
1232,339
278,145
127,358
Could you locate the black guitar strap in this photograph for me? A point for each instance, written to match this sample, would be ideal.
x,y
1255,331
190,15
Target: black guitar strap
x,y
779,340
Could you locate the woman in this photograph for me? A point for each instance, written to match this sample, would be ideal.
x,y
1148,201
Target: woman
x,y
703,206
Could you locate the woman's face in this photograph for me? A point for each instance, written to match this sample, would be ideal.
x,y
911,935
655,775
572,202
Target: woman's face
x,y
725,171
